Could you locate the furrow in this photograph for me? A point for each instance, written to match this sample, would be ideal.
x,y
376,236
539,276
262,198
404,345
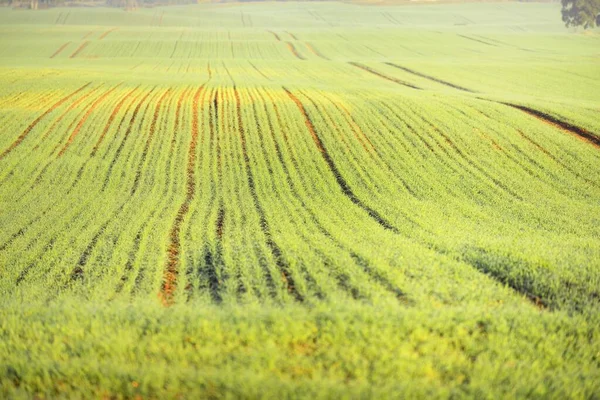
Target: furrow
x,y
387,77
275,250
335,171
60,49
431,78
85,117
23,135
171,270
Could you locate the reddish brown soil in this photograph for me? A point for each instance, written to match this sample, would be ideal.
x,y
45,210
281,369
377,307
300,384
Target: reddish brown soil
x,y
172,268
111,119
23,135
85,117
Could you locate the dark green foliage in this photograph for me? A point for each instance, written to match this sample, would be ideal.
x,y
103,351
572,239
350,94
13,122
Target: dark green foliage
x,y
584,13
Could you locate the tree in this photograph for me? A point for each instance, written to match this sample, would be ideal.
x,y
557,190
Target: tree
x,y
584,13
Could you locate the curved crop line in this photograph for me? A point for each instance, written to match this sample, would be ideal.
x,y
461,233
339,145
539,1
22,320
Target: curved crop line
x,y
149,139
129,129
276,35
275,249
79,49
23,135
313,217
60,49
85,117
111,118
431,78
315,51
368,145
335,171
562,125
387,77
294,51
171,271
105,34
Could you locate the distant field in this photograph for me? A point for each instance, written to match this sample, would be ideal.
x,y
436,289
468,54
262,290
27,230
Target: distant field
x,y
299,200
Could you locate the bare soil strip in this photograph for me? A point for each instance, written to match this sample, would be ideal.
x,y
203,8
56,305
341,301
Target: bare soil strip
x,y
172,268
105,34
87,35
379,74
291,35
85,117
292,48
60,49
431,78
564,126
282,264
23,135
315,51
79,49
336,173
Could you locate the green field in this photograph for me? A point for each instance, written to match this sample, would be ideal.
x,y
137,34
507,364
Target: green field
x,y
293,200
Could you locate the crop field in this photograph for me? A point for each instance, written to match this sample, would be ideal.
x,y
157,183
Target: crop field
x,y
291,200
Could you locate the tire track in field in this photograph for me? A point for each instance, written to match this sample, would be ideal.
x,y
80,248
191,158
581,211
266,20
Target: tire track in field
x,y
90,110
127,133
275,35
259,71
564,126
335,171
79,49
315,51
387,77
171,271
282,264
106,33
552,181
60,49
342,278
469,161
294,51
149,139
368,145
24,134
318,292
366,171
291,35
476,40
431,78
